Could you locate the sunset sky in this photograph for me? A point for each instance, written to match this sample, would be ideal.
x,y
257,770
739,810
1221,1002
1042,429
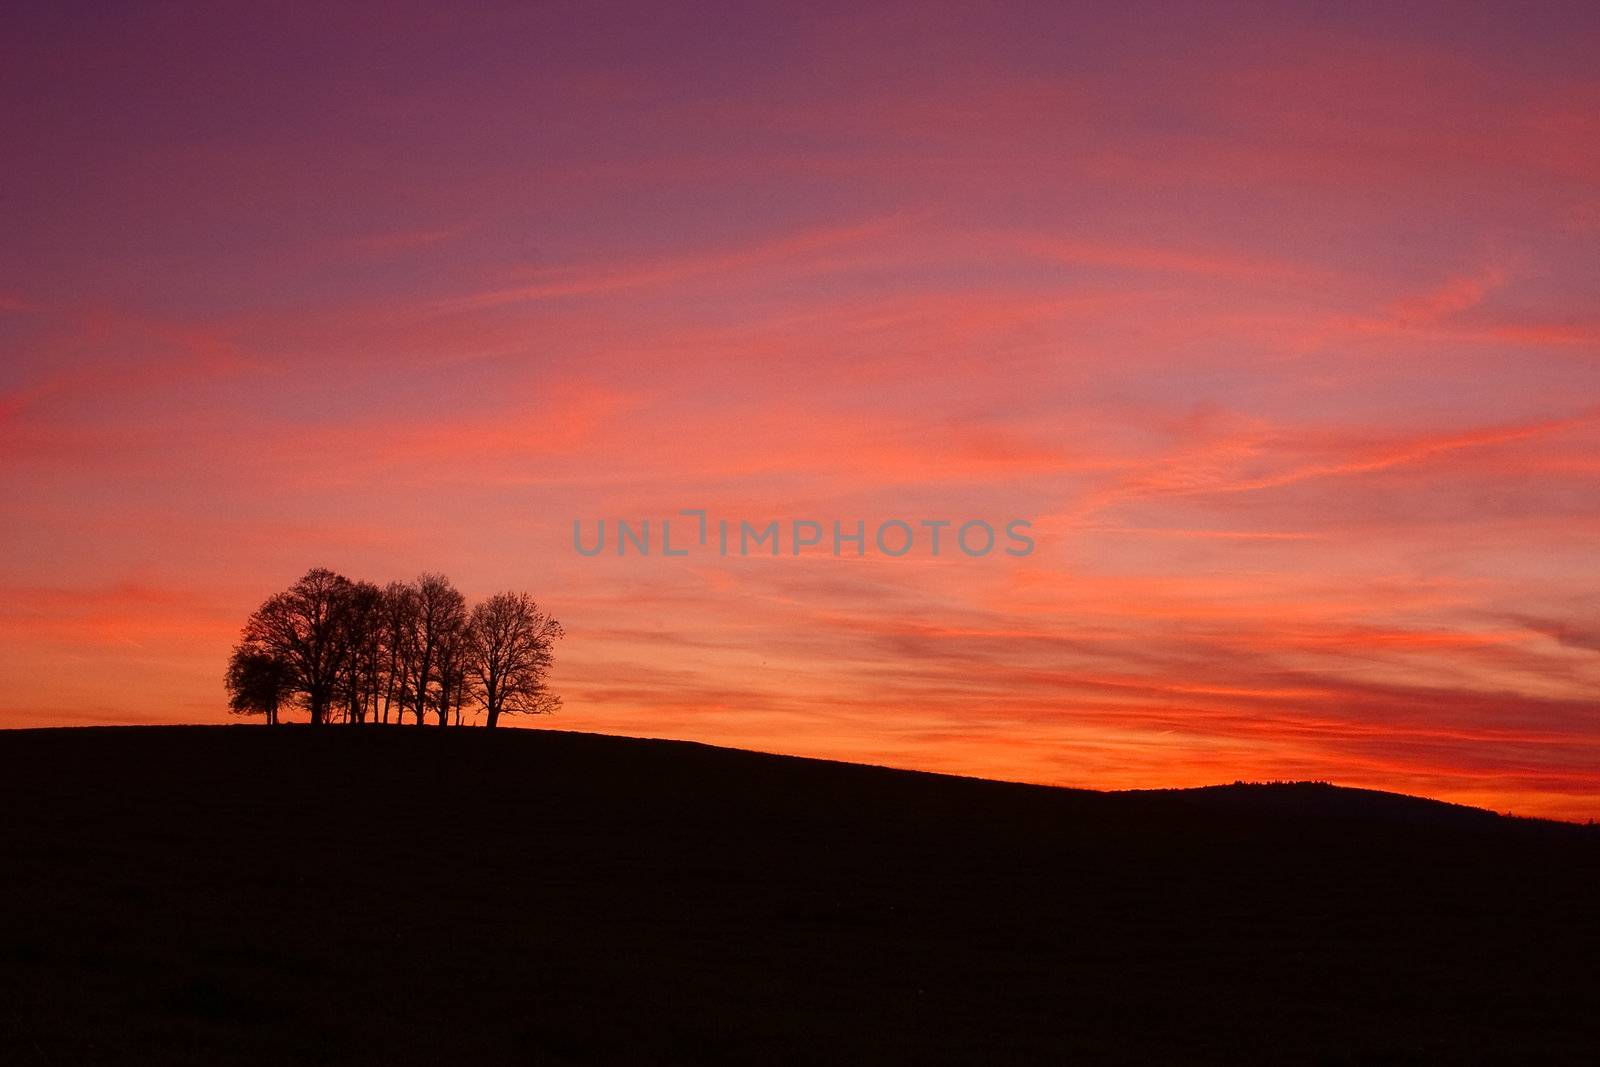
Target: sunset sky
x,y
1283,330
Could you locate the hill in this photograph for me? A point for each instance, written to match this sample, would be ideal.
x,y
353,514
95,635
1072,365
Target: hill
x,y
199,895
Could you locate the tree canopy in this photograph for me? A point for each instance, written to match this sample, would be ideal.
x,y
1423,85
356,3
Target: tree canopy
x,y
355,652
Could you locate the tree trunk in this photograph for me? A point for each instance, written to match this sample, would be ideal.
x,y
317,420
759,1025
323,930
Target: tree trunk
x,y
422,687
388,691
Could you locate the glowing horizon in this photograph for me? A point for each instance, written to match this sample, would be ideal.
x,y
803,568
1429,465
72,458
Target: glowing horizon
x,y
1283,331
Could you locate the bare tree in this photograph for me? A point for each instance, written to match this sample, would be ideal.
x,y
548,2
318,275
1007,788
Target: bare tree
x,y
441,613
353,651
455,653
399,645
258,683
361,642
304,629
512,653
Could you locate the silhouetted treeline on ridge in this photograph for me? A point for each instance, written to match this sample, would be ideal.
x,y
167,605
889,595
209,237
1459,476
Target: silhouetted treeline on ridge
x,y
351,651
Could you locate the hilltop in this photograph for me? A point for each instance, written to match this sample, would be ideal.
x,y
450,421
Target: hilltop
x,y
380,895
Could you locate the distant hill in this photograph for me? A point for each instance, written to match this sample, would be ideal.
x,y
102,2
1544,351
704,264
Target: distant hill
x,y
1325,801
202,895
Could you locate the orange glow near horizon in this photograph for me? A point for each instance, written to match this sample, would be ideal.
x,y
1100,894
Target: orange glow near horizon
x,y
1283,331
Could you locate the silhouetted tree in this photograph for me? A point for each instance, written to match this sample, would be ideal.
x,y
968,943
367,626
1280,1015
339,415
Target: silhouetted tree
x,y
258,683
399,645
354,651
441,613
511,656
362,642
453,664
304,628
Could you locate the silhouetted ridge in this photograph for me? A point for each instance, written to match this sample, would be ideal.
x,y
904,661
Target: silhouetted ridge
x,y
1324,800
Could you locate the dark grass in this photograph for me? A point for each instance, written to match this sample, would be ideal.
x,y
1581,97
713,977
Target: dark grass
x,y
369,895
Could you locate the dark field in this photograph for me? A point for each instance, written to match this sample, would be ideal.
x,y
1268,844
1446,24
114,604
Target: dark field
x,y
380,895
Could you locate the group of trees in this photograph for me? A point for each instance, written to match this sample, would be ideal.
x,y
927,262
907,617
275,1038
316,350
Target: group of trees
x,y
354,652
